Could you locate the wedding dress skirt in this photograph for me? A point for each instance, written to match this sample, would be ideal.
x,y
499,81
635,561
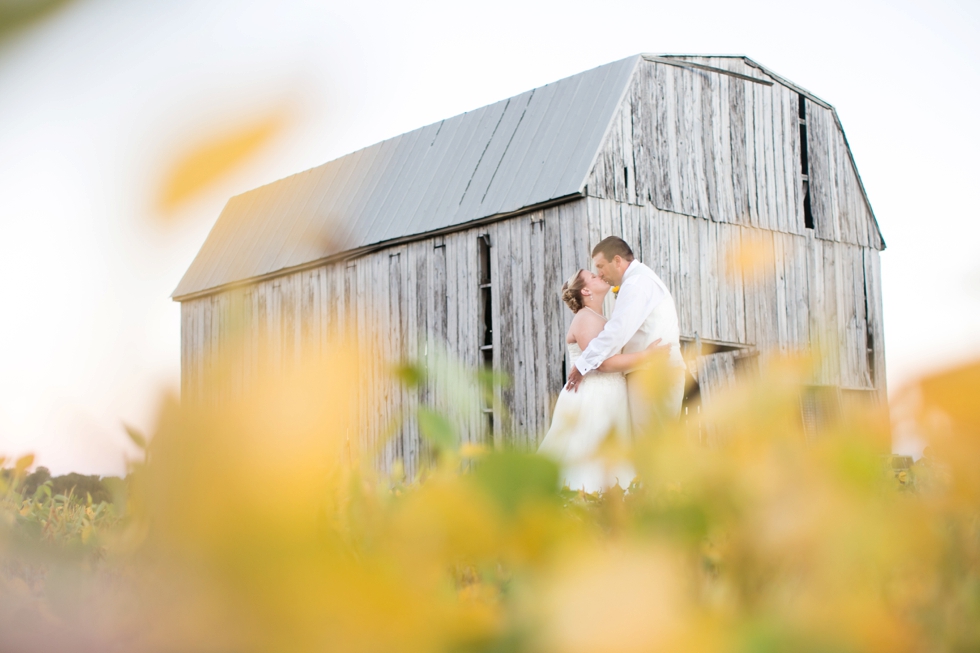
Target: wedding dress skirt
x,y
582,422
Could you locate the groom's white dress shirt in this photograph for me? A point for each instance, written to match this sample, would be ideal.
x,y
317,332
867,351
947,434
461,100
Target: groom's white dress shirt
x,y
635,322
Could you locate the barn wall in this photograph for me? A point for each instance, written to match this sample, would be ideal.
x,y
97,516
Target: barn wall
x,y
410,300
728,150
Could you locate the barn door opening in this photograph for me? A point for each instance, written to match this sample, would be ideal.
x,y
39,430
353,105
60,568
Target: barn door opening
x,y
804,165
486,330
713,369
820,410
869,332
715,373
824,408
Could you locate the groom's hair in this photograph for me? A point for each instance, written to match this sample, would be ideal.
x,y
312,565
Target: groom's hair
x,y
612,247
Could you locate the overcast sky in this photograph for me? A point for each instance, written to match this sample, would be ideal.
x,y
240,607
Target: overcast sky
x,y
98,101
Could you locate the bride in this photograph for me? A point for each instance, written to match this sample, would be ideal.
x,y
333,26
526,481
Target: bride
x,y
599,408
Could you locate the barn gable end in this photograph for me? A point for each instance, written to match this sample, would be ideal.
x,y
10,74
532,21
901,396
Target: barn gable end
x,y
727,148
712,156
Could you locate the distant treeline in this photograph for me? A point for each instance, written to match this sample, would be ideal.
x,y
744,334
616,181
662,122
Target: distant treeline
x,y
102,488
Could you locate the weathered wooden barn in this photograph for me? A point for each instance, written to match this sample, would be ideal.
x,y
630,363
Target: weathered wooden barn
x,y
459,235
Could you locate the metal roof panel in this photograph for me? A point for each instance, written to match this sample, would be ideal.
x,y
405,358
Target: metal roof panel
x,y
530,149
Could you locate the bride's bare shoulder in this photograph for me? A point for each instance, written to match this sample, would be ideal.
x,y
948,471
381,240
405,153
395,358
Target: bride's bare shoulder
x,y
578,320
587,316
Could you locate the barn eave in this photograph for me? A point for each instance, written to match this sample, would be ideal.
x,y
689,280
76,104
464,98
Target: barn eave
x,y
352,254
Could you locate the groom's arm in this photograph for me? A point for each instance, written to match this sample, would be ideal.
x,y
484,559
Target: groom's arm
x,y
637,298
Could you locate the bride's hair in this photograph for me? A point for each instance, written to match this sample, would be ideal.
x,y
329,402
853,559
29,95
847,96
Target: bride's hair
x,y
571,292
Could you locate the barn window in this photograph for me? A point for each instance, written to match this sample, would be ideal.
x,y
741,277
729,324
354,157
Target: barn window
x,y
824,408
486,319
820,410
869,330
713,368
805,165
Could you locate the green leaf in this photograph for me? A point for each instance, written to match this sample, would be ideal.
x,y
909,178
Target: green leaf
x,y
138,438
437,429
512,477
489,380
410,375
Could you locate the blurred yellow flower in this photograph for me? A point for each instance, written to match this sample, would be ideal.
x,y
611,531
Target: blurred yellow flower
x,y
258,524
205,162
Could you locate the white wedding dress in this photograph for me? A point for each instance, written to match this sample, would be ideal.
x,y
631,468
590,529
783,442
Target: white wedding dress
x,y
582,422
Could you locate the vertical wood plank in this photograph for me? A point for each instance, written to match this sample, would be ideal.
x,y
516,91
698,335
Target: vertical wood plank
x,y
536,353
822,173
765,171
513,309
699,139
554,336
832,302
776,136
711,146
740,169
641,111
709,295
754,159
664,179
673,147
791,161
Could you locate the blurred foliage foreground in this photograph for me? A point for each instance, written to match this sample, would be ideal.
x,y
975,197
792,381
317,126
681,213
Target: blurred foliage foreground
x,y
259,527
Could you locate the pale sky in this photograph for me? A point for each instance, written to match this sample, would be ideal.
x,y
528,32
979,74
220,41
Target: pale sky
x,y
96,103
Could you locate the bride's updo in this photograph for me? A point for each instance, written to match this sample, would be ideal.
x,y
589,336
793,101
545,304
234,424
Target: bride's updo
x,y
571,292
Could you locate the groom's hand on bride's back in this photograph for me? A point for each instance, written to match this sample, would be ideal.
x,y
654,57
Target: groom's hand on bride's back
x,y
573,380
656,349
654,354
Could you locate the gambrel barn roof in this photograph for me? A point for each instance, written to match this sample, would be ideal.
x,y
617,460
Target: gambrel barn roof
x,y
531,150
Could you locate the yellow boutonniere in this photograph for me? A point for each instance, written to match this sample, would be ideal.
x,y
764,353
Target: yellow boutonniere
x,y
615,290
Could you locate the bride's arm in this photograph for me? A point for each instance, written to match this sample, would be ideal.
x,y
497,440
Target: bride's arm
x,y
629,362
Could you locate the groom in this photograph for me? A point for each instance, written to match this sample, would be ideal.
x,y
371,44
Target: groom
x,y
644,312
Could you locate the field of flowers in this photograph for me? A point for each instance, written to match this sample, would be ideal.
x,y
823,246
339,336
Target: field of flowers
x,y
250,528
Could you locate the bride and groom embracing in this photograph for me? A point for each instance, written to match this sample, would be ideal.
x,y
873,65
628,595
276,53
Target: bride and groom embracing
x,y
605,396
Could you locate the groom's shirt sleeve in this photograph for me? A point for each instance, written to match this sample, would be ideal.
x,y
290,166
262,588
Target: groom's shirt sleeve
x,y
638,296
